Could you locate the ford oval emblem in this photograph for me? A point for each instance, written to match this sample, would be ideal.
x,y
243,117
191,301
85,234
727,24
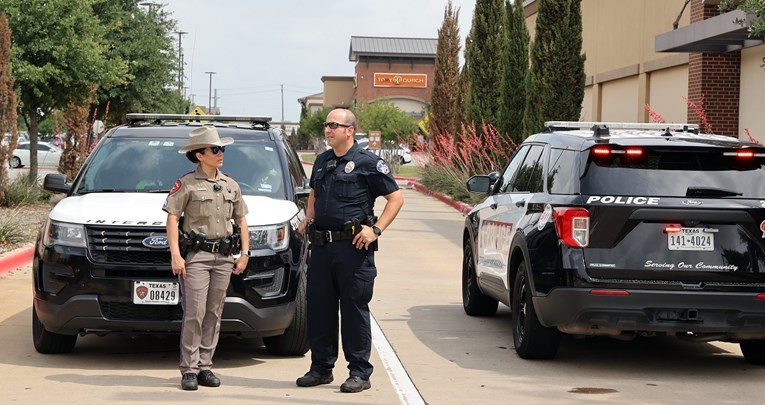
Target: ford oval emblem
x,y
155,242
691,202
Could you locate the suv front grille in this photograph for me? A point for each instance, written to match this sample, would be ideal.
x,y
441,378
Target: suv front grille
x,y
128,311
125,246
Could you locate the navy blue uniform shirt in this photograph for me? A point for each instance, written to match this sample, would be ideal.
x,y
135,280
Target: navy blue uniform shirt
x,y
346,187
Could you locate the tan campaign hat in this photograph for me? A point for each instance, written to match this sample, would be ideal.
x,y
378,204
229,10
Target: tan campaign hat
x,y
203,137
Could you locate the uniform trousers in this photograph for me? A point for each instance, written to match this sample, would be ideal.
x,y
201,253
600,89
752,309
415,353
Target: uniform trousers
x,y
340,277
203,294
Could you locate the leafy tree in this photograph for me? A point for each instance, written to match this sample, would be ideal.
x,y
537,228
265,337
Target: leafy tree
x,y
312,124
512,100
145,39
555,82
59,54
7,104
443,111
484,54
384,116
755,8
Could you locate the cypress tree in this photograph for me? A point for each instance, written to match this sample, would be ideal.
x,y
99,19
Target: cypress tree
x,y
463,92
484,55
555,83
443,109
516,57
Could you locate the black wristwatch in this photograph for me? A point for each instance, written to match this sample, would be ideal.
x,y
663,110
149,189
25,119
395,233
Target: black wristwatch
x,y
377,230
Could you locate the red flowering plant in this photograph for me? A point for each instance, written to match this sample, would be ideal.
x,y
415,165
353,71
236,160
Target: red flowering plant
x,y
456,157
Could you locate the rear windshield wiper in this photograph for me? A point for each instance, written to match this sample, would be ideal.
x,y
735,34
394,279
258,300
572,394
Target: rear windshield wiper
x,y
710,192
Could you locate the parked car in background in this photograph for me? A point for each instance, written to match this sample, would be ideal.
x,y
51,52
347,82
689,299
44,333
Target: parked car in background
x,y
47,155
23,137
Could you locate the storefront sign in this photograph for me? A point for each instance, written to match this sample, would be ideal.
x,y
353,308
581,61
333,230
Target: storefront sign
x,y
419,81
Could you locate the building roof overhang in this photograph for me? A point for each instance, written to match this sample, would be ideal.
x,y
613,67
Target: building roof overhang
x,y
719,34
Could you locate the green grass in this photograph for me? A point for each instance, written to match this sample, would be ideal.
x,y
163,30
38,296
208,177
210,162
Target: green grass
x,y
409,170
308,157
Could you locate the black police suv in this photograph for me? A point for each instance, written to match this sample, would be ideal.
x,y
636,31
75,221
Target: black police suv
x,y
102,262
622,230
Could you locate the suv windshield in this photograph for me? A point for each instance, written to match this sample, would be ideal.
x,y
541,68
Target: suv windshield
x,y
153,165
695,172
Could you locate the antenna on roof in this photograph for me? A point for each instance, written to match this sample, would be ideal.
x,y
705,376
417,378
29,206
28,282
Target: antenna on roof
x,y
600,130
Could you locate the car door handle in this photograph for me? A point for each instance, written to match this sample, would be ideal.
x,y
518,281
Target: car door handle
x,y
493,206
520,203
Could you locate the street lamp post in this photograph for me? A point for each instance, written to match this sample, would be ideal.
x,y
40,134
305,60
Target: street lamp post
x,y
150,5
209,94
180,60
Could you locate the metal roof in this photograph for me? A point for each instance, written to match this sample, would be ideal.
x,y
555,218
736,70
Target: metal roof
x,y
387,46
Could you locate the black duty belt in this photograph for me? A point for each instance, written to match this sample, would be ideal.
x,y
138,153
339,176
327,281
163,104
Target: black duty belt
x,y
222,246
323,237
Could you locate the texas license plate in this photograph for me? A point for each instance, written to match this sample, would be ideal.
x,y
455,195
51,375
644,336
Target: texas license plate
x,y
691,239
155,293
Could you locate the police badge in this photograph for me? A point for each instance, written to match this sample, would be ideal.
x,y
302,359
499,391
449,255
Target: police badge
x,y
382,167
349,166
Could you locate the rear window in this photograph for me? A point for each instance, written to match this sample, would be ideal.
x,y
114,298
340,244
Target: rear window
x,y
696,172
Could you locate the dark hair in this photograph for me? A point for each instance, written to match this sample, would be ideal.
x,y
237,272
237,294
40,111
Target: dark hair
x,y
192,154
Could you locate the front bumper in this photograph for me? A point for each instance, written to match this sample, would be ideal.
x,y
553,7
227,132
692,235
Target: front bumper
x,y
85,314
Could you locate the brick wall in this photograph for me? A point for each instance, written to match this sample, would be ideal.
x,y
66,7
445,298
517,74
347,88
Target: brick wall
x,y
716,76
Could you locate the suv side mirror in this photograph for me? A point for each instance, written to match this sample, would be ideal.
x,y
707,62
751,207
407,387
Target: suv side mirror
x,y
479,184
56,183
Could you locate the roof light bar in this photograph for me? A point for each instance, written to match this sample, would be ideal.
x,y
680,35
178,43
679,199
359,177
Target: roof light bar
x,y
623,125
136,117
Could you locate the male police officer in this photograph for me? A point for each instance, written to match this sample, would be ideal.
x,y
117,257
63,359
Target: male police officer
x,y
340,223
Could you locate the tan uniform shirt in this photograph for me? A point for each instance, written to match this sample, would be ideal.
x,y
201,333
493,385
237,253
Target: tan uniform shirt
x,y
204,208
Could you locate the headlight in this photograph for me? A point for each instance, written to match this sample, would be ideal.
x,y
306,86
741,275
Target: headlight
x,y
274,237
60,233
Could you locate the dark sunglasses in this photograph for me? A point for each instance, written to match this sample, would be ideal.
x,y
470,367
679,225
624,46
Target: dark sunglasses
x,y
334,125
216,149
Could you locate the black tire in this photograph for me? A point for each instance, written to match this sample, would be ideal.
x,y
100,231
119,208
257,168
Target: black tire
x,y
531,339
49,342
754,351
474,301
294,341
15,162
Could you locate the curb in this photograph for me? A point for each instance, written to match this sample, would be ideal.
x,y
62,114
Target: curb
x,y
459,206
15,259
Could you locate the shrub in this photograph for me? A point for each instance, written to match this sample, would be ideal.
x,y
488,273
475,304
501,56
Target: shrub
x,y
23,191
456,157
10,229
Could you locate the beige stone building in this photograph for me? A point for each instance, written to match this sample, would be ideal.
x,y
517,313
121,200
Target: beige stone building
x,y
635,57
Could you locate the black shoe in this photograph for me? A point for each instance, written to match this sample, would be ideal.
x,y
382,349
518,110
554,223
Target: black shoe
x,y
208,379
189,382
312,379
355,383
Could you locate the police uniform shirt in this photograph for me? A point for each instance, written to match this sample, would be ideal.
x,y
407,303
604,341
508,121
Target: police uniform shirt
x,y
207,205
346,187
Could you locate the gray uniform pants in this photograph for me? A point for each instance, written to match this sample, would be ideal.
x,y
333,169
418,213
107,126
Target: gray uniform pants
x,y
203,293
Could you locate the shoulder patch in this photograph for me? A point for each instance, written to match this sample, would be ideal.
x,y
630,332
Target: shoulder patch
x,y
382,167
176,187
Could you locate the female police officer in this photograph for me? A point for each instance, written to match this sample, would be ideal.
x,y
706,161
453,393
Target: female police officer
x,y
344,185
208,200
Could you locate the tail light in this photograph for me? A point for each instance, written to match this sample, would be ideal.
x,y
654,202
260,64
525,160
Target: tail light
x,y
572,226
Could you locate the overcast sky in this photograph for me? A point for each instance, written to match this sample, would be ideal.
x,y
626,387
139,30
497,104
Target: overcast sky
x,y
257,46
